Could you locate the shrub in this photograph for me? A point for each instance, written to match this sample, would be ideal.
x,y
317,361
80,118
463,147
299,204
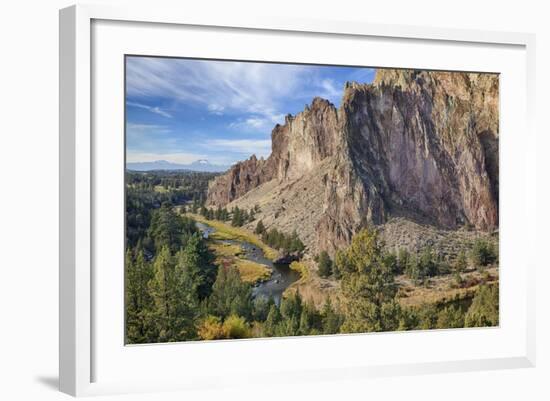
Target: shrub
x,y
402,260
427,317
325,264
458,281
391,261
450,317
428,263
461,263
211,328
484,308
420,267
261,308
485,276
235,327
336,272
483,253
260,229
408,319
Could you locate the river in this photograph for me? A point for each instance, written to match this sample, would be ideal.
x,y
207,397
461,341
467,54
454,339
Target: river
x,y
282,276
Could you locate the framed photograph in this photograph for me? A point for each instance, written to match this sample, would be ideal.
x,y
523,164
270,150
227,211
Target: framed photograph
x,y
339,199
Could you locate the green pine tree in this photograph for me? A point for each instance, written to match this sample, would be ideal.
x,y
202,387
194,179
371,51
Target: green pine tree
x,y
331,321
484,310
272,321
461,262
185,299
368,287
260,229
160,288
139,303
200,262
325,264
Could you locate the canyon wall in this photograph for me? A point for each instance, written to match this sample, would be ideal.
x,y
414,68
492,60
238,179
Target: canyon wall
x,y
415,144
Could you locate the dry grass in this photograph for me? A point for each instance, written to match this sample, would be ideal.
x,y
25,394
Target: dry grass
x,y
442,289
313,288
230,255
301,268
225,231
252,272
223,249
160,189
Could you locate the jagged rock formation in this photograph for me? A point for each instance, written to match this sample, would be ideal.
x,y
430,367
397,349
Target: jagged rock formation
x,y
241,178
414,144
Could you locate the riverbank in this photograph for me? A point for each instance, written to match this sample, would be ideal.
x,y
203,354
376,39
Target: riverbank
x,y
231,255
311,286
227,232
255,260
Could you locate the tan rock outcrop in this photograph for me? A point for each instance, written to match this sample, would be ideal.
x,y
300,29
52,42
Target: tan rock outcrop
x,y
414,144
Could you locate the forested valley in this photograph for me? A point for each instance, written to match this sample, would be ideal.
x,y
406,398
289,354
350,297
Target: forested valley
x,y
180,284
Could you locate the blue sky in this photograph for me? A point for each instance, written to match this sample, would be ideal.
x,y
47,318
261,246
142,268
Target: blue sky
x,y
183,110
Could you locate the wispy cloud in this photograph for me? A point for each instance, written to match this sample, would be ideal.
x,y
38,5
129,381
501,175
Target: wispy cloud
x,y
258,89
330,91
151,128
215,108
257,123
239,102
152,109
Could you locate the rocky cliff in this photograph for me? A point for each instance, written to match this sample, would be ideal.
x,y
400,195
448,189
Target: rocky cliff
x,y
413,144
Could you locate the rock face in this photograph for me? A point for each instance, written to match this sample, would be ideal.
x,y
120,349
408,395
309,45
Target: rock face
x,y
414,144
241,178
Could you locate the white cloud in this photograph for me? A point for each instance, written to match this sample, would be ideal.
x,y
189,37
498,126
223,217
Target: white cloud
x,y
330,89
216,109
155,109
258,123
255,122
261,148
254,88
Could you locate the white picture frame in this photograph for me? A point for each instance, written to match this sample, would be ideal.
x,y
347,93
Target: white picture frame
x,y
79,344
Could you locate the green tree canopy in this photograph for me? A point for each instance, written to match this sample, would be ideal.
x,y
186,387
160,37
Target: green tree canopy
x,y
483,253
230,295
166,228
484,308
260,229
160,288
199,261
368,286
139,303
325,264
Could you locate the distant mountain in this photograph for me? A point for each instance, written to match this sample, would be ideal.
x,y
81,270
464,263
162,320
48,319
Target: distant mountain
x,y
198,165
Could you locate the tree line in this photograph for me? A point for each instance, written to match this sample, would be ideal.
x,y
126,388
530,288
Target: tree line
x,y
142,196
421,265
289,243
238,217
279,240
175,292
179,294
367,277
